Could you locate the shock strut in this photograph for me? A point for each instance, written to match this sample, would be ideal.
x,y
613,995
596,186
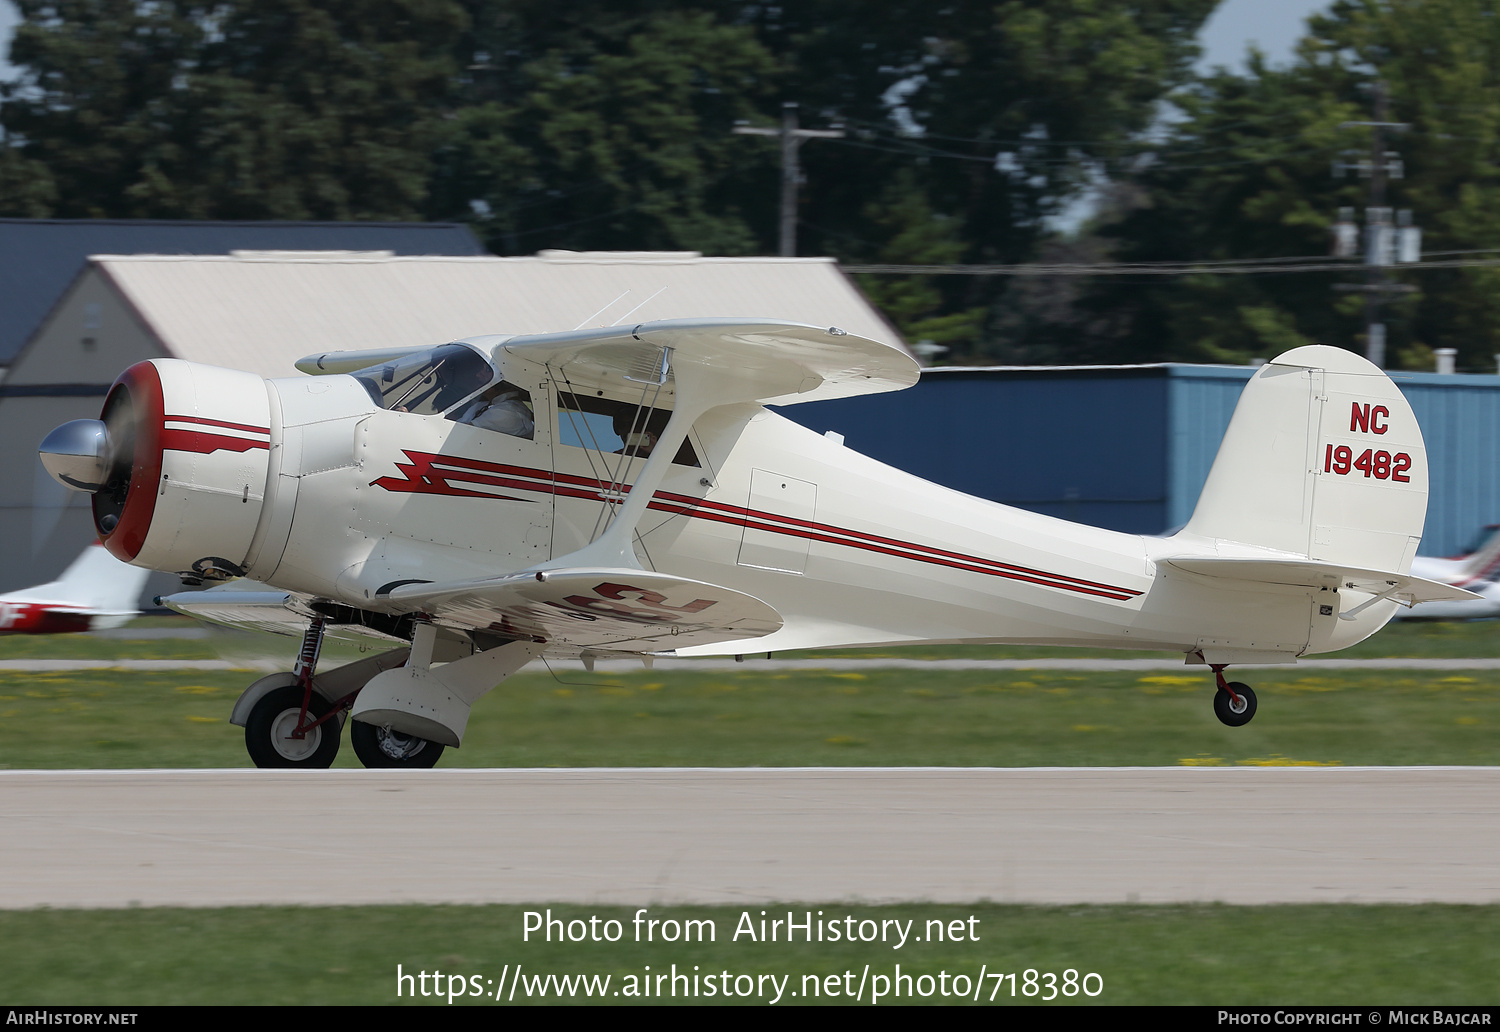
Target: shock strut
x,y
307,662
1218,669
1219,679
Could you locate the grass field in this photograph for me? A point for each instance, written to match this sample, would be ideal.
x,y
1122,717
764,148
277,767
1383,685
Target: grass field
x,y
1412,639
1405,639
1188,954
877,717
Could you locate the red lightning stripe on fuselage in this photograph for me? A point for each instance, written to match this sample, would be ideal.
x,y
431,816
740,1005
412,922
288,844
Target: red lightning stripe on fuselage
x,y
427,473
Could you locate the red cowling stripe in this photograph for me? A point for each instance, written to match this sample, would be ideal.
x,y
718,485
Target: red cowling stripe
x,y
203,421
206,444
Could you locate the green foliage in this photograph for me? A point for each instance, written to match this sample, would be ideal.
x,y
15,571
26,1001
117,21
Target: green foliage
x,y
1246,174
277,109
918,236
619,144
597,124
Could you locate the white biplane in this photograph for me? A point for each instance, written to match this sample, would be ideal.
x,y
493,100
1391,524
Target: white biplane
x,y
626,491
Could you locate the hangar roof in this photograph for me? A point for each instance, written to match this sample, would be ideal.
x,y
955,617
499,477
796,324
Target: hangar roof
x,y
261,311
40,257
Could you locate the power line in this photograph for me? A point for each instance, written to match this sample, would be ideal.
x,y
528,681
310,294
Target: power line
x,y
1230,267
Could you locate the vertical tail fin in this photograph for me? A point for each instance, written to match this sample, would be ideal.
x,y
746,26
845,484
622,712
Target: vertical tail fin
x,y
1323,459
1484,564
98,581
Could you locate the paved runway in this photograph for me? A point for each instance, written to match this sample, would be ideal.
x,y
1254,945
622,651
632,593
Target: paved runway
x,y
273,664
1260,835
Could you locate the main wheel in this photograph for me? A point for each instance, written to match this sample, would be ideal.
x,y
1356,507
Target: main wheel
x,y
268,731
382,747
1230,713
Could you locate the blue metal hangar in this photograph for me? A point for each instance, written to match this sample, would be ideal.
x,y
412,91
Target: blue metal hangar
x,y
1129,447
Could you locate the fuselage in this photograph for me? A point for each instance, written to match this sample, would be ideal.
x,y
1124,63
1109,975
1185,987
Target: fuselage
x,y
849,551
347,487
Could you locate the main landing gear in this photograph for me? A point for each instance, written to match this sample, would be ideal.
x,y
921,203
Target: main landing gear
x,y
384,747
293,727
291,722
1234,702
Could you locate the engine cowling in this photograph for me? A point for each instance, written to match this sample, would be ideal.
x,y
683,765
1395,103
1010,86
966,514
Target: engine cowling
x,y
189,450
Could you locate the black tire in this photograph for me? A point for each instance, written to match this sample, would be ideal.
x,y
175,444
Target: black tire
x,y
272,720
382,747
1224,707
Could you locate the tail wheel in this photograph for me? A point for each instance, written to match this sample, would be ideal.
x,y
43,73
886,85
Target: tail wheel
x,y
1235,713
272,722
382,747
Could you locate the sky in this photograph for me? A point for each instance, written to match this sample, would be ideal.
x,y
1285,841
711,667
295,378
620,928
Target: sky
x,y
1273,24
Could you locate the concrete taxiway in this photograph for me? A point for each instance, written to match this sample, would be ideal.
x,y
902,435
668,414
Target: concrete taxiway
x,y
200,838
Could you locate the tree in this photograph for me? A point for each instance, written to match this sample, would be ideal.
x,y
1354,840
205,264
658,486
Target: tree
x,y
1246,174
619,141
252,110
600,123
990,116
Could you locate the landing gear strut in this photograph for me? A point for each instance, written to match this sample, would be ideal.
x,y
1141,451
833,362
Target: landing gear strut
x,y
1234,702
292,722
294,726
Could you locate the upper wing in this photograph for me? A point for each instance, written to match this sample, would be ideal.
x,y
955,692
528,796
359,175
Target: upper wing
x,y
757,360
760,360
328,363
1309,573
628,610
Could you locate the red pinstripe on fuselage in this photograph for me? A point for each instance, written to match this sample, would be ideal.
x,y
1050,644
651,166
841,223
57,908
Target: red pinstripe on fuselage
x,y
429,473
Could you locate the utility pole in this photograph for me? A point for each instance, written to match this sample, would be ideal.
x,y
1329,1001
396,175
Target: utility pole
x,y
1385,243
792,139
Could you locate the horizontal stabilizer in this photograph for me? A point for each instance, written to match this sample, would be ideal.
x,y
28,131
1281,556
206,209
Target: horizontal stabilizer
x,y
1308,573
620,609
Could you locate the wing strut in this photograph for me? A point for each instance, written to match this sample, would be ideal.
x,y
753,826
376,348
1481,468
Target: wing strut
x,y
613,548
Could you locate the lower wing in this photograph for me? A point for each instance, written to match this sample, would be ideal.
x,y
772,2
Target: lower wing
x,y
606,609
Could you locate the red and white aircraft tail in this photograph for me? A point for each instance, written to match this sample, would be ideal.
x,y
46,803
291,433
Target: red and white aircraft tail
x,y
1477,571
96,592
1480,566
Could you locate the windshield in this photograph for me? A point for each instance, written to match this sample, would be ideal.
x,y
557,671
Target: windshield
x,y
429,382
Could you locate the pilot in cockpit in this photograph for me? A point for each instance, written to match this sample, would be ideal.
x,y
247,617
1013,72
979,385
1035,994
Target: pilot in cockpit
x,y
635,439
504,408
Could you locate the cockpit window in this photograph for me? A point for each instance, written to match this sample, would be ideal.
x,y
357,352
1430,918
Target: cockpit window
x,y
616,427
428,382
503,408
